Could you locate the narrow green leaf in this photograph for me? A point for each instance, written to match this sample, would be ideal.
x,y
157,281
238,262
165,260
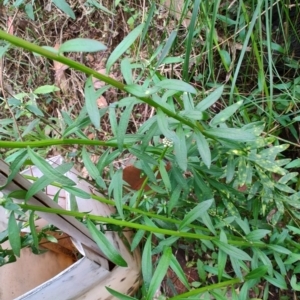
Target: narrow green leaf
x,y
147,263
82,45
99,6
210,99
29,11
33,230
34,109
242,170
91,102
167,47
234,134
200,270
294,285
176,85
160,272
113,119
257,273
16,165
232,251
119,295
174,198
164,175
208,222
46,89
31,127
140,91
51,238
192,114
150,223
76,126
191,34
14,234
280,264
203,148
77,192
270,166
143,156
91,168
222,257
294,163
123,125
47,170
162,122
295,230
225,114
264,259
65,7
44,181
3,49
137,238
292,258
150,13
279,281
257,234
111,253
196,212
279,249
181,149
116,186
123,46
236,265
126,71
176,267
17,194
245,291
286,178
230,169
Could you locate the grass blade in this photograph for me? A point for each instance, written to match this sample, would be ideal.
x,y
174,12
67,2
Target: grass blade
x,y
47,170
160,272
14,234
91,102
147,263
195,213
105,246
123,46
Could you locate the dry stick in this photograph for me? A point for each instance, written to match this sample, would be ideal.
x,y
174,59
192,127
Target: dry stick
x,y
2,84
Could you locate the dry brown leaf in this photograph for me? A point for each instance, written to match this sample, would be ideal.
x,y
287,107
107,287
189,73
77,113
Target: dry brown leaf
x,y
101,102
60,77
10,25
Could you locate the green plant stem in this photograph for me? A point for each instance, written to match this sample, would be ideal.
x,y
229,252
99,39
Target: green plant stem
x,y
122,223
131,209
138,211
80,67
52,142
59,57
207,288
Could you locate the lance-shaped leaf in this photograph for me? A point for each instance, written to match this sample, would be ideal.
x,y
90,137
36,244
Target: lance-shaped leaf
x,y
195,213
47,170
111,253
123,46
